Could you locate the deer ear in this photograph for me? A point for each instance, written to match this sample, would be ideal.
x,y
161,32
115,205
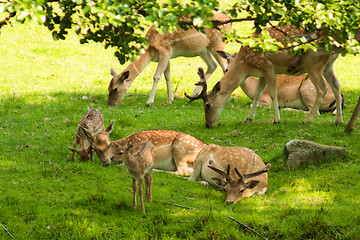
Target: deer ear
x,y
85,131
216,88
74,149
223,54
219,182
109,128
113,72
251,184
124,76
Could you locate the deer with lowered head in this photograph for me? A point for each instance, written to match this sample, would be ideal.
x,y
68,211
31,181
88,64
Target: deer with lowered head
x,y
139,163
163,47
237,170
93,121
174,151
265,66
99,141
294,92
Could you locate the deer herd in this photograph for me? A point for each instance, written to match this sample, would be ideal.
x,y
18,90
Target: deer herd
x,y
269,79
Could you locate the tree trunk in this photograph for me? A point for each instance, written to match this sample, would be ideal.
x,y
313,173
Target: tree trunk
x,y
351,124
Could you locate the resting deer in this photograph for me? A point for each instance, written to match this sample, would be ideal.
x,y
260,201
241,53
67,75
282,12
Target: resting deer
x,y
174,151
163,47
139,164
295,92
238,170
93,120
265,66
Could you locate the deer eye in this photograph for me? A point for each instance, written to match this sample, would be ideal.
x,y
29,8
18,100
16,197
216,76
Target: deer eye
x,y
208,105
115,89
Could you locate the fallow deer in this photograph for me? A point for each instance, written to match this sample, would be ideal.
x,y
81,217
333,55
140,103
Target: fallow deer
x,y
294,92
238,170
163,47
139,164
174,151
100,141
265,66
93,121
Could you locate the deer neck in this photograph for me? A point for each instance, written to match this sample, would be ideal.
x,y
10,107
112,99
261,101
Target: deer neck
x,y
138,65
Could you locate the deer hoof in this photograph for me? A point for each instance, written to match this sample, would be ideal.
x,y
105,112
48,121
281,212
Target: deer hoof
x,y
338,122
148,104
248,120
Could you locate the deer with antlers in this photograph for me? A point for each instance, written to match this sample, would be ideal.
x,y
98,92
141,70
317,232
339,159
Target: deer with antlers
x,y
139,163
174,151
265,66
163,47
93,121
237,170
293,92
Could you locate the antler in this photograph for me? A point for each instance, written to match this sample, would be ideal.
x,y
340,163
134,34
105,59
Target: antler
x,y
261,171
222,173
202,83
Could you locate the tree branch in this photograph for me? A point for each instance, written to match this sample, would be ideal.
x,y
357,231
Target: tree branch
x,y
176,205
6,230
247,227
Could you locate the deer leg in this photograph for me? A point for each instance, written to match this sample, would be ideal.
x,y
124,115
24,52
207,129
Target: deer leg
x,y
168,84
148,182
163,63
91,154
334,83
211,64
321,88
134,192
140,181
271,81
73,152
258,91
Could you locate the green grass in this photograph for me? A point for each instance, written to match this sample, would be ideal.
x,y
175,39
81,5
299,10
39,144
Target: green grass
x,y
46,196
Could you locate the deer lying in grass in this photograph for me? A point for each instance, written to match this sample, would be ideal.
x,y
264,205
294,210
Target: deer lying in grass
x,y
174,151
139,164
237,170
265,66
163,47
93,120
295,92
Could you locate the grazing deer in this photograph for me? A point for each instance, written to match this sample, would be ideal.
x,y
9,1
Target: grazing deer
x,y
238,170
265,66
163,47
93,121
295,92
139,164
174,151
100,141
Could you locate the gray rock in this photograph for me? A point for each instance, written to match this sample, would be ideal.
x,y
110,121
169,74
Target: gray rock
x,y
300,152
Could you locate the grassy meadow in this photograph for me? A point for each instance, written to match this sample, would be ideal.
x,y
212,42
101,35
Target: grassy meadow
x,y
47,86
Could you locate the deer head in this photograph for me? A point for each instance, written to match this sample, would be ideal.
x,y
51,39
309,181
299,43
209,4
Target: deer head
x,y
83,153
235,187
213,108
101,143
228,56
118,86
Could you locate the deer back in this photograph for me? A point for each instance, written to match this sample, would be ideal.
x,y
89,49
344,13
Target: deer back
x,y
169,146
